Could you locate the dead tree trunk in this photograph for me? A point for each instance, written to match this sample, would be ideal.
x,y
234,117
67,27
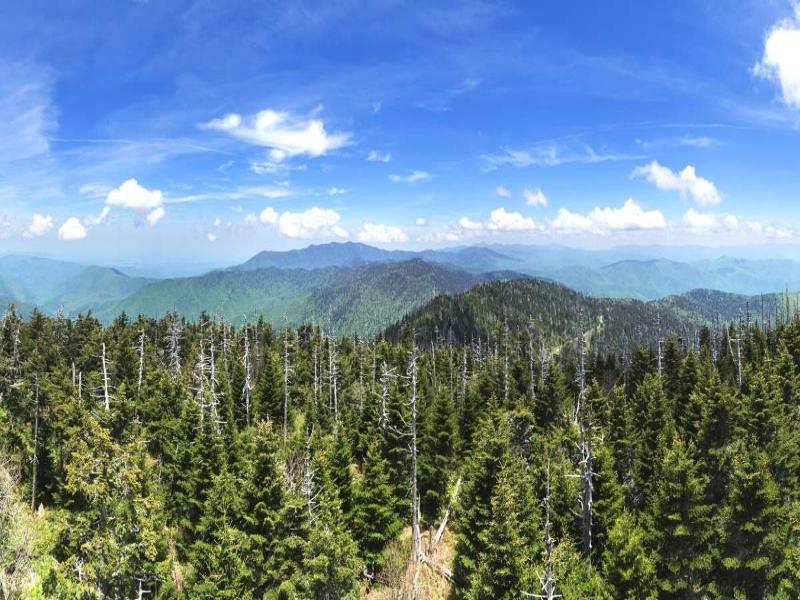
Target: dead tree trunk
x,y
585,447
173,341
286,370
35,465
248,383
106,393
141,362
416,542
546,579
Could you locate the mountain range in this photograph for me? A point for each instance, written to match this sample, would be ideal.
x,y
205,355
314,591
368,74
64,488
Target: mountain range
x,y
360,289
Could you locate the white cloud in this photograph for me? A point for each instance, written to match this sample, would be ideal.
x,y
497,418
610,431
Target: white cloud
x,y
211,237
135,197
382,234
731,222
284,134
550,155
250,219
314,222
217,222
500,220
337,191
421,222
568,222
132,195
94,190
72,229
535,197
376,156
706,221
40,225
698,220
629,217
271,167
266,191
92,221
502,191
687,183
155,215
412,177
269,216
781,59
27,113
469,225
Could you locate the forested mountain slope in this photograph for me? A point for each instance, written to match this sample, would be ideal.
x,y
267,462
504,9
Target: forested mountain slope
x,y
655,278
546,310
359,300
169,459
713,304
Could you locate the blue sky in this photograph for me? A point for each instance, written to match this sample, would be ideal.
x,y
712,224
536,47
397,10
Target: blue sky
x,y
205,131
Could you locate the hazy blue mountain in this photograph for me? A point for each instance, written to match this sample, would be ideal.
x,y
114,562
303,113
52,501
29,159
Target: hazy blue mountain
x,y
350,254
335,254
362,299
91,288
651,279
35,280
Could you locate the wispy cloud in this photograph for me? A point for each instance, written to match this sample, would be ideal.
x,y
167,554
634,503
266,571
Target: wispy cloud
x,y
285,135
413,177
27,113
376,156
551,155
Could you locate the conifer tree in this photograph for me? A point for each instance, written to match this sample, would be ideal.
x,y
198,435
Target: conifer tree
x,y
681,525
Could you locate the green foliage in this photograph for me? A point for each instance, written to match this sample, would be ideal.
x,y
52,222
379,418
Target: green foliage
x,y
170,492
628,568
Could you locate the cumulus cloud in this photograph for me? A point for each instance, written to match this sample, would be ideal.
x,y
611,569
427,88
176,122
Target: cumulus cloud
x,y
781,59
269,216
421,222
132,195
382,234
72,229
40,225
712,222
413,177
535,197
250,219
629,217
285,135
211,237
469,225
700,220
501,220
502,191
314,222
137,198
687,183
376,156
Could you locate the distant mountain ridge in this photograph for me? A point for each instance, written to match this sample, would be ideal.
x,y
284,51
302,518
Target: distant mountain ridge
x,y
356,300
362,289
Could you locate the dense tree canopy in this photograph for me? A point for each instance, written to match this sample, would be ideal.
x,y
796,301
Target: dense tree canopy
x,y
149,459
